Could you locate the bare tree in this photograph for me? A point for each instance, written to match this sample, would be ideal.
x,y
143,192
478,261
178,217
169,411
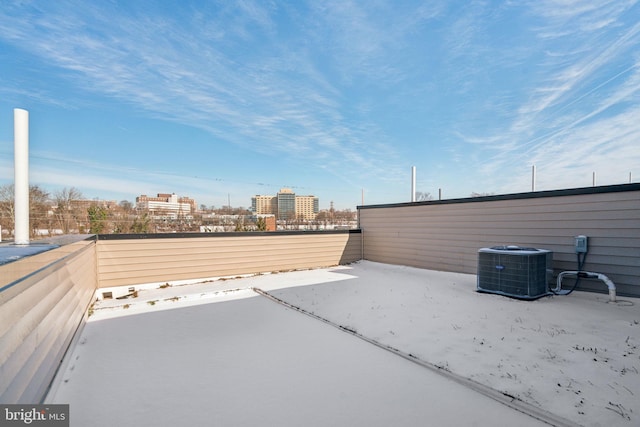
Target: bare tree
x,y
67,210
122,217
7,207
38,209
126,206
422,197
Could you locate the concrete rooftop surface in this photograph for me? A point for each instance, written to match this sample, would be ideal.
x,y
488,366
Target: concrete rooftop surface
x,y
365,344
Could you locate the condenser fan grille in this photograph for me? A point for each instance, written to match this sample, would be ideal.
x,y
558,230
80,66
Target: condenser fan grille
x,y
514,271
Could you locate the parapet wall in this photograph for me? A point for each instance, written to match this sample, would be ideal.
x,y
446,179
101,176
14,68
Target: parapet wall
x,y
446,235
43,300
154,258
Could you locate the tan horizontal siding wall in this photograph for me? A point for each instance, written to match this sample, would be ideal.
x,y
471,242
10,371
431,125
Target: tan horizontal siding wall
x,y
39,316
447,236
152,260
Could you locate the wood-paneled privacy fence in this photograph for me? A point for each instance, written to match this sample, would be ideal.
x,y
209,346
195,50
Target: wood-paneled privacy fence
x,y
138,259
446,235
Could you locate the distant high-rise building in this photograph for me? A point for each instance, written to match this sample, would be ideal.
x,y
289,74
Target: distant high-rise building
x,y
307,207
286,205
166,204
263,205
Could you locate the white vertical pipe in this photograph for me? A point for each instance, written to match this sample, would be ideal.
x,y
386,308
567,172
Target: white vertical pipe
x,y
413,183
21,175
593,178
533,178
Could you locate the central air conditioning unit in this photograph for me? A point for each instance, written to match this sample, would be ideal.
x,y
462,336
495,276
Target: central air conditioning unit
x,y
514,271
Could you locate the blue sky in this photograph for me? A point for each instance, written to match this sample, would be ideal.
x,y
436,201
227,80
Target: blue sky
x,y
229,99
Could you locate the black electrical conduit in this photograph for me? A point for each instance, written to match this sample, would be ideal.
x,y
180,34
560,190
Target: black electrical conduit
x,y
578,276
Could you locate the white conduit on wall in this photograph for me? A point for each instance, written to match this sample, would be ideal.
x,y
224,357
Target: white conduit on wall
x,y
588,275
21,175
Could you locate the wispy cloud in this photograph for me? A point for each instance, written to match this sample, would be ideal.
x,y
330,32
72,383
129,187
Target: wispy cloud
x,y
357,90
566,17
52,172
277,100
579,105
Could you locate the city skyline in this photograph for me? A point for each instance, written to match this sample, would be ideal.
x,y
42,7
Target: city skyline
x,y
335,99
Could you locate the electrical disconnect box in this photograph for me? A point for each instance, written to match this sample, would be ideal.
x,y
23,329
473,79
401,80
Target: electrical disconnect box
x,y
581,244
